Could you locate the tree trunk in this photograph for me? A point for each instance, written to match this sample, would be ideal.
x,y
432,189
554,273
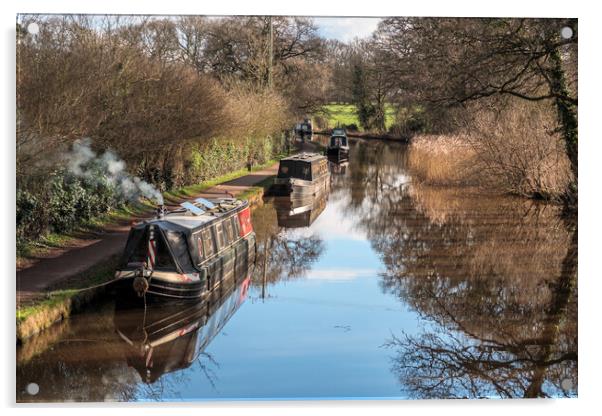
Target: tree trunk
x,y
567,116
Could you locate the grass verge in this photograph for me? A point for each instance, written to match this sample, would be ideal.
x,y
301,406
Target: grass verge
x,y
346,115
65,300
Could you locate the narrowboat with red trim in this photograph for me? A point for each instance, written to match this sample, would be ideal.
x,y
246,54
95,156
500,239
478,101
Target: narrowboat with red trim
x,y
185,253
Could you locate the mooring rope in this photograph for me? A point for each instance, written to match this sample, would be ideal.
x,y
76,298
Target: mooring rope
x,y
84,288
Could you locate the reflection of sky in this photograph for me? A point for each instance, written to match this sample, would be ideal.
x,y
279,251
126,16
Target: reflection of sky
x,y
333,224
321,335
310,338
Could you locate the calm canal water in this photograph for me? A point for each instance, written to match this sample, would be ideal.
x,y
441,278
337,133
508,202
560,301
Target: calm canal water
x,y
382,288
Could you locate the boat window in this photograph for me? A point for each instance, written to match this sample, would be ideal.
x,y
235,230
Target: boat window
x,y
306,173
219,233
208,247
229,233
295,169
234,221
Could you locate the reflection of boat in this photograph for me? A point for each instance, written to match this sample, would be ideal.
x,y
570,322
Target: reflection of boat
x,y
293,213
338,145
302,176
166,337
338,168
184,253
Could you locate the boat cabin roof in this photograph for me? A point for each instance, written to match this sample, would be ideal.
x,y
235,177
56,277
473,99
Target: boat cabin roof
x,y
305,157
179,234
189,218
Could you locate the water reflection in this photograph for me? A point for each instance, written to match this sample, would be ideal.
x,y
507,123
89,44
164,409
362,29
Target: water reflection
x,y
493,280
166,338
282,254
121,353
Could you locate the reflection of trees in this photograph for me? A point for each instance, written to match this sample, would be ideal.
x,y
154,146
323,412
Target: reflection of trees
x,y
281,254
495,278
86,364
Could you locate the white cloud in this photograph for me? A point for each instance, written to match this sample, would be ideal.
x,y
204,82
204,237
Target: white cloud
x,y
333,223
340,274
346,29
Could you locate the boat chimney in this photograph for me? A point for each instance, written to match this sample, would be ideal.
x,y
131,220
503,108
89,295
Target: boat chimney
x,y
160,211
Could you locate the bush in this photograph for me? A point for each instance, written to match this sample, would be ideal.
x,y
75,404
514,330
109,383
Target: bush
x,y
219,157
519,148
320,122
409,121
31,218
61,204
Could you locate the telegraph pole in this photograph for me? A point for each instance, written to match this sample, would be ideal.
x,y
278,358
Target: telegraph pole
x,y
271,53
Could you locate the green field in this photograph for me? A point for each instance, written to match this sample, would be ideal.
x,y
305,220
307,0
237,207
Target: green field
x,y
345,114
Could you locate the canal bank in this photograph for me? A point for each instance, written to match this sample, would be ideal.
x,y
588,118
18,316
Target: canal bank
x,y
51,289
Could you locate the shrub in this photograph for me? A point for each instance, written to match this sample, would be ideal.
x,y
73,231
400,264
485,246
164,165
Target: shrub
x,y
31,218
519,149
320,122
409,121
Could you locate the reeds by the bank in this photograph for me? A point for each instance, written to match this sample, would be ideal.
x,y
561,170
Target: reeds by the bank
x,y
442,160
515,148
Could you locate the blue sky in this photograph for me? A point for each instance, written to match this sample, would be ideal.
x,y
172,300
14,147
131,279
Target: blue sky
x,y
346,28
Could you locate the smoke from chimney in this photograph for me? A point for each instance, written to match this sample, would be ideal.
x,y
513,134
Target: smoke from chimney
x,y
83,162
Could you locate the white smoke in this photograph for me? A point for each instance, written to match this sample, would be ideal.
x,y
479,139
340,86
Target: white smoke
x,y
83,162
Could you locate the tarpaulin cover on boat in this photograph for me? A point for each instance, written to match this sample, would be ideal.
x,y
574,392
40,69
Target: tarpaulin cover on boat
x,y
172,241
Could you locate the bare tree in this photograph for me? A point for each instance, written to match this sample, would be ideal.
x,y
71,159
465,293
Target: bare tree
x,y
456,60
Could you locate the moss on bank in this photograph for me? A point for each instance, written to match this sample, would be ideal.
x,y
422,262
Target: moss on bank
x,y
67,299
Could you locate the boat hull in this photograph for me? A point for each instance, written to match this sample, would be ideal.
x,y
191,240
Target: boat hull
x,y
170,286
337,153
300,189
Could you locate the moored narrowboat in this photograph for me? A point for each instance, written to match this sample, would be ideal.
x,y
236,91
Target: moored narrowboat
x,y
302,175
338,145
304,130
185,253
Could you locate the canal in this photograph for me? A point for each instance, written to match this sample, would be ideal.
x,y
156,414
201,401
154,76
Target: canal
x,y
380,288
